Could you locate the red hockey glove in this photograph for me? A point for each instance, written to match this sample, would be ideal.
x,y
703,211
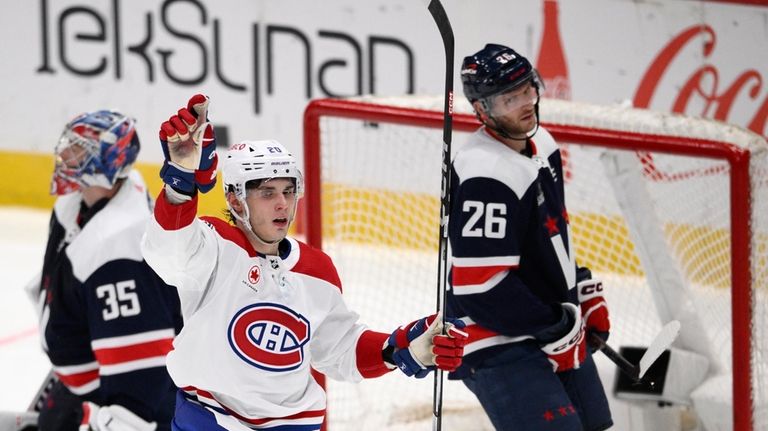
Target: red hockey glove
x,y
570,350
420,346
189,146
594,309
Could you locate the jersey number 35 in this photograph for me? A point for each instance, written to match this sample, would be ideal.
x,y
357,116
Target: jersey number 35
x,y
120,299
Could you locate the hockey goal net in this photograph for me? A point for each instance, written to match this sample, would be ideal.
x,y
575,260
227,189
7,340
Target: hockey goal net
x,y
670,211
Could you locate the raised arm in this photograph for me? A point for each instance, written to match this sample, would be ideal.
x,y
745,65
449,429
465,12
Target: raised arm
x,y
178,246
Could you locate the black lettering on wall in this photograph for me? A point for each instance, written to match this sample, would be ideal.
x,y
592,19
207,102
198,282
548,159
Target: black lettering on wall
x,y
44,68
98,36
376,40
217,60
116,32
140,49
271,29
256,71
86,41
165,54
341,63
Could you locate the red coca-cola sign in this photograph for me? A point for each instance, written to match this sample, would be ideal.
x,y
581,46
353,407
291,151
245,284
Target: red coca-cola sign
x,y
704,88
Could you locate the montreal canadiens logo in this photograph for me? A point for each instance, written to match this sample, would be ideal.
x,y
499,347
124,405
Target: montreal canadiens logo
x,y
269,336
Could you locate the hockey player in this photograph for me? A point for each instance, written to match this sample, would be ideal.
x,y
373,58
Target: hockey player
x,y
107,320
259,307
514,278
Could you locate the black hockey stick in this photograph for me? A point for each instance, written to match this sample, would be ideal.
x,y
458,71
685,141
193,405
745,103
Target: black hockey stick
x,y
663,340
446,33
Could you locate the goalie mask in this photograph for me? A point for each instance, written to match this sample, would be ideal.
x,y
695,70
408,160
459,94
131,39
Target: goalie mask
x,y
96,149
502,81
254,162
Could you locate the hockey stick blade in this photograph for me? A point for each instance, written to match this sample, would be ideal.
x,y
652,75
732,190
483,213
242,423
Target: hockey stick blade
x,y
21,421
663,340
27,421
42,392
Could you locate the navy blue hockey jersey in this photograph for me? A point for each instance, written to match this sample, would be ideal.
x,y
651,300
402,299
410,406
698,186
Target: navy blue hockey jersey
x,y
108,320
511,257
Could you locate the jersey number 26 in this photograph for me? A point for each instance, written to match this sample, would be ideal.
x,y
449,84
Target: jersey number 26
x,y
494,223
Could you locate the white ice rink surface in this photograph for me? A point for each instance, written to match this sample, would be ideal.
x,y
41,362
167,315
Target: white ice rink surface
x,y
23,365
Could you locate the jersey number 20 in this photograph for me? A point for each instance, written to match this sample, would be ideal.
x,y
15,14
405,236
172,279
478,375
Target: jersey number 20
x,y
494,225
120,299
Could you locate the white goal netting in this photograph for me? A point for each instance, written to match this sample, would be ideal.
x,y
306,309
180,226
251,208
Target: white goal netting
x,y
671,211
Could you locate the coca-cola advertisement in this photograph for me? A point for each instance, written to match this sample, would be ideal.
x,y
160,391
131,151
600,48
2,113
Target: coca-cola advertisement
x,y
706,91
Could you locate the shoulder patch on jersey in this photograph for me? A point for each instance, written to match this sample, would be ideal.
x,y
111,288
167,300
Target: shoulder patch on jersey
x,y
230,233
113,233
485,157
315,263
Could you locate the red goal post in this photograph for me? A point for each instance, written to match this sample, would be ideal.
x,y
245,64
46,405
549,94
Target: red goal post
x,y
738,237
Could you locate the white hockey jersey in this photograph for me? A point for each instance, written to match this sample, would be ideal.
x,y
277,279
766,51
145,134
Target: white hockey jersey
x,y
254,324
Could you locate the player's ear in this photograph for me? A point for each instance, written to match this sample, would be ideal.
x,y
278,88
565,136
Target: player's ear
x,y
234,202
